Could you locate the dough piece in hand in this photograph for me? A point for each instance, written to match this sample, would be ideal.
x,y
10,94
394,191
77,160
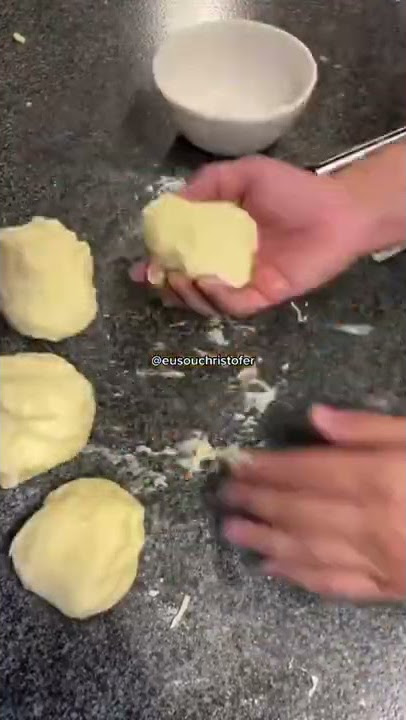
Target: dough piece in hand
x,y
46,280
80,551
47,410
200,238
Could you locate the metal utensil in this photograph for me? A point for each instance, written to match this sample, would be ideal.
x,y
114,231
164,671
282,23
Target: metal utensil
x,y
360,152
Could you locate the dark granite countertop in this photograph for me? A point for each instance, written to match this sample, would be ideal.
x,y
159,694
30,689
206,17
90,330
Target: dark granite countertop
x,y
84,138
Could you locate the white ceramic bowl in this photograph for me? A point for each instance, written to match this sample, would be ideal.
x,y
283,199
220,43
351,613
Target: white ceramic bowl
x,y
235,86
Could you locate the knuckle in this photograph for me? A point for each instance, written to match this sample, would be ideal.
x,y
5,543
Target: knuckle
x,y
328,585
318,553
388,479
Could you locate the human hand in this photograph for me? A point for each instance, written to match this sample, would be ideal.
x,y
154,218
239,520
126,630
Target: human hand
x,y
309,230
330,519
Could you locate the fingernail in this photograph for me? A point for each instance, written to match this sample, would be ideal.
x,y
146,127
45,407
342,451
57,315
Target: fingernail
x,y
155,275
324,416
138,272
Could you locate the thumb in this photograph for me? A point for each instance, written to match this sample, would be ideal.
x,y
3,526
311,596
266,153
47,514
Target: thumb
x,y
139,272
353,427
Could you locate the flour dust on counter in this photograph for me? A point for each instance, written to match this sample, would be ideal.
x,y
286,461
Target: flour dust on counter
x,y
138,469
215,333
164,184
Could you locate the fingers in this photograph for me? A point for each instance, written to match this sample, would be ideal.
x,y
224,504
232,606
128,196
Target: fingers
x,y
138,272
190,295
147,272
178,292
359,428
318,550
206,296
169,299
240,302
327,473
352,584
295,512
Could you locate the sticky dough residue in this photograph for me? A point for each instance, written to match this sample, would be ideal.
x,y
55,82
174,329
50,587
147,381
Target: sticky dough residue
x,y
216,333
360,330
257,393
194,452
197,450
259,399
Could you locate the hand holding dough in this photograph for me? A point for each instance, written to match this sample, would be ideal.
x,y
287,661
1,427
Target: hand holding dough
x,y
46,280
80,550
47,410
200,238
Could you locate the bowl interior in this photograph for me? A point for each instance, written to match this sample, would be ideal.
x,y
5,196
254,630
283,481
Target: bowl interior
x,y
235,69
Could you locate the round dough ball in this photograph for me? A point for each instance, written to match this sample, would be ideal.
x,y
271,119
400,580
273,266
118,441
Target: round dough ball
x,y
46,280
80,551
200,238
47,410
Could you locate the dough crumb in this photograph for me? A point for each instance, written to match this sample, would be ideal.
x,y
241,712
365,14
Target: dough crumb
x,y
18,38
359,330
259,399
247,375
215,333
198,450
179,615
194,452
301,316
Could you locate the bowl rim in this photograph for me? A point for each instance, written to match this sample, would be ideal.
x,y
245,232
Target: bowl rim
x,y
280,110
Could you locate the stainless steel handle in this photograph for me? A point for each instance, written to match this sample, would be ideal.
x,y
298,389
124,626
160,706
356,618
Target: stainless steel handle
x,y
359,152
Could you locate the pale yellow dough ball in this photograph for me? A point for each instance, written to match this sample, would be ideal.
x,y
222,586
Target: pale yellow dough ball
x,y
46,280
47,410
200,238
80,551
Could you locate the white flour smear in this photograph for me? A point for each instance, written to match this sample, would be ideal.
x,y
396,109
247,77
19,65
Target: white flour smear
x,y
164,184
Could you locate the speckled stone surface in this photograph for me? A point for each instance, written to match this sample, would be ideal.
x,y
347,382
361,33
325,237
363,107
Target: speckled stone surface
x,y
84,138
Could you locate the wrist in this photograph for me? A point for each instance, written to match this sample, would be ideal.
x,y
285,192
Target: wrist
x,y
376,188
